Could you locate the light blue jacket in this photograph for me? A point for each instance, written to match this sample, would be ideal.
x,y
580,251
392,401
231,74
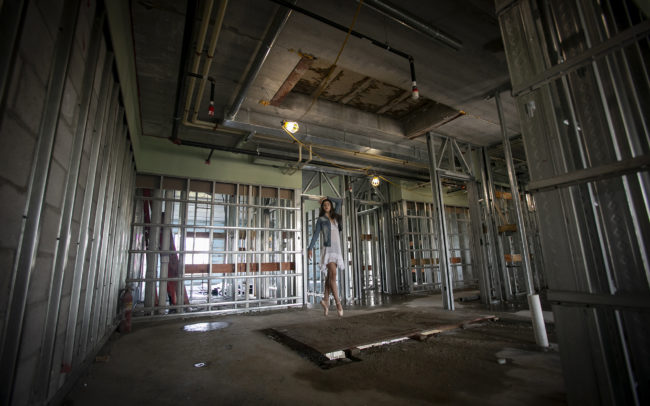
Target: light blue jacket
x,y
324,225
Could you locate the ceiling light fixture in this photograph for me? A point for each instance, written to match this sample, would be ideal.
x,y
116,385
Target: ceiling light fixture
x,y
290,126
375,181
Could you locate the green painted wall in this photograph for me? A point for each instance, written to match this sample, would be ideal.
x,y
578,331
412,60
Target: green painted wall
x,y
160,156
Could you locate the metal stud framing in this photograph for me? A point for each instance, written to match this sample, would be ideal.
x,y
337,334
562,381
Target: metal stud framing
x,y
588,115
439,215
69,311
250,257
26,255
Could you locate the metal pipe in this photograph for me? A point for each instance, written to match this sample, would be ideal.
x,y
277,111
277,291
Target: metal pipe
x,y
533,299
210,57
436,188
205,21
180,81
28,245
414,23
271,36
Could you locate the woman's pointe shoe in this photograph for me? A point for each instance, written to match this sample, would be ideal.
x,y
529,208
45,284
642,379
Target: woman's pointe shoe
x,y
325,307
339,309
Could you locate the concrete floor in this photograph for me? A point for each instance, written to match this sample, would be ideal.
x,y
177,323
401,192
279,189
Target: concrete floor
x,y
155,364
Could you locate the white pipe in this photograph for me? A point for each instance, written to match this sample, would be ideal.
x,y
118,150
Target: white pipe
x,y
213,45
207,13
539,328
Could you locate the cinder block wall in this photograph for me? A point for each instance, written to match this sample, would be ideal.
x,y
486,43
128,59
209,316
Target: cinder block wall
x,y
66,187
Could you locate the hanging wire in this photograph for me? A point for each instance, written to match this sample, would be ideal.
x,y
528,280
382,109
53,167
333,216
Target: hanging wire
x,y
321,88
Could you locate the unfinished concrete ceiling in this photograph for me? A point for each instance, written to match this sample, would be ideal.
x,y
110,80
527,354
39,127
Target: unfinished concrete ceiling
x,y
268,63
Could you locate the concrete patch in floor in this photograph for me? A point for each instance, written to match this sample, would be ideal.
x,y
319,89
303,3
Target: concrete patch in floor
x,y
334,341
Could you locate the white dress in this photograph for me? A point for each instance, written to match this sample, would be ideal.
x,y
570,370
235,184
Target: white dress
x,y
333,252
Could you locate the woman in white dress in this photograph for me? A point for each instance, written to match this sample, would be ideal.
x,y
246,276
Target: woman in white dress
x,y
329,224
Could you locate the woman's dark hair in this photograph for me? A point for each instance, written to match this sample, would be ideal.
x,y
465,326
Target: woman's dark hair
x,y
333,212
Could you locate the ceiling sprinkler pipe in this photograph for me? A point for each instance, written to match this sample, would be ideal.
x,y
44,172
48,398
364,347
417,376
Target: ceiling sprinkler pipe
x,y
208,62
415,92
413,23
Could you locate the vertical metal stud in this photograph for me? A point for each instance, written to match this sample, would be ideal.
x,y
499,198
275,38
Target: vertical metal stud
x,y
533,299
447,285
97,224
28,245
84,231
61,254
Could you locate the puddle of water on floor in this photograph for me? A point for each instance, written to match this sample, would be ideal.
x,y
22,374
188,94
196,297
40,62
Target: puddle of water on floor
x,y
203,327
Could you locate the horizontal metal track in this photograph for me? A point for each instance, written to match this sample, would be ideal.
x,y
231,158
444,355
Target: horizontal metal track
x,y
635,301
215,276
638,164
636,33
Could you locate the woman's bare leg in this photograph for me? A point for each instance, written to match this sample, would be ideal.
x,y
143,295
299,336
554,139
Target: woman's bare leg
x,y
331,277
326,296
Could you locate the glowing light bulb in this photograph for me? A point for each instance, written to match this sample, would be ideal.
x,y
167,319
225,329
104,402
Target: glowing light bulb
x,y
375,181
291,126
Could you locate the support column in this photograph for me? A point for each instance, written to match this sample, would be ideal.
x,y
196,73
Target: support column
x,y
447,285
533,299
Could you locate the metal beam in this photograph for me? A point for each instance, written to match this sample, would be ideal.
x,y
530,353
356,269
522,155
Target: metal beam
x,y
460,156
619,168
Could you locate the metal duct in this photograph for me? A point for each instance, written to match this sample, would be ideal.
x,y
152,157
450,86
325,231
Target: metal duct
x,y
281,17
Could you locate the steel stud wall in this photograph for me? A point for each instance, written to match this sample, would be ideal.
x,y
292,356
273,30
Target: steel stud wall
x,y
580,79
212,247
67,177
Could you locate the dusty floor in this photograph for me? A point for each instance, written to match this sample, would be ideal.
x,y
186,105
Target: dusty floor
x,y
242,364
